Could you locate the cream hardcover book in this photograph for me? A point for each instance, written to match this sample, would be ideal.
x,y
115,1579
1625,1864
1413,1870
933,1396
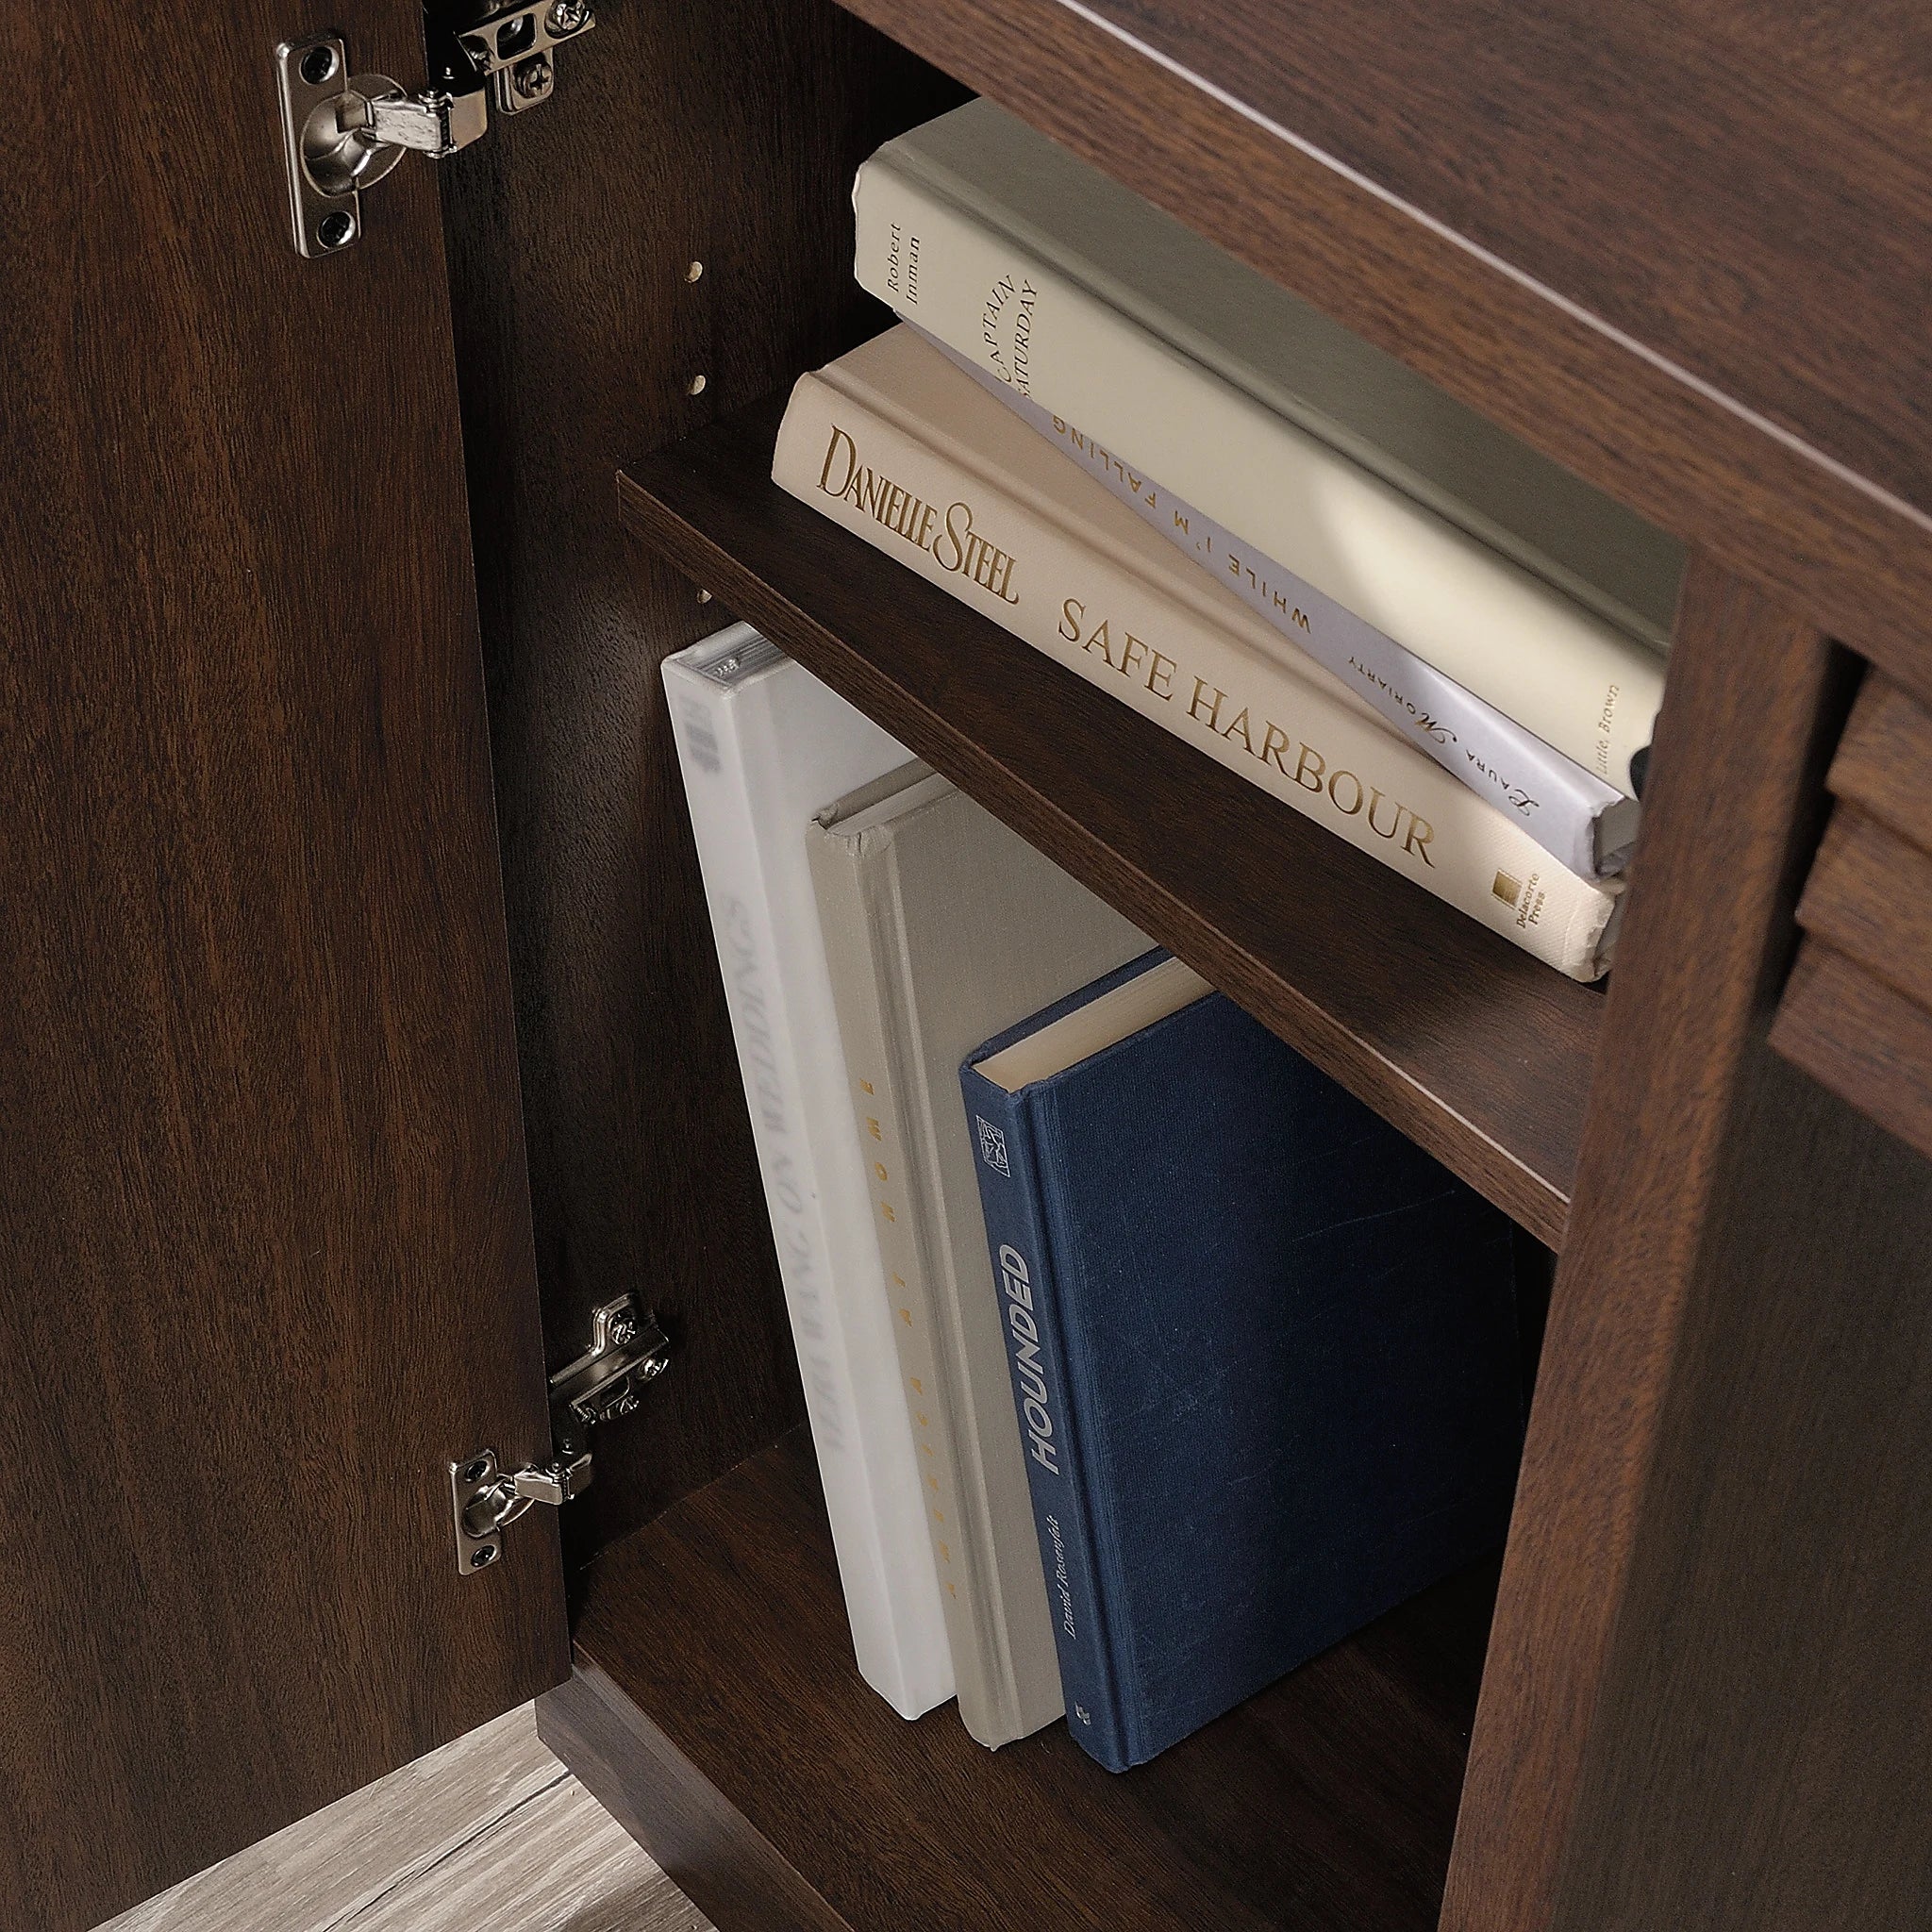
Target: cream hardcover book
x,y
1503,570
1581,821
943,926
906,451
762,744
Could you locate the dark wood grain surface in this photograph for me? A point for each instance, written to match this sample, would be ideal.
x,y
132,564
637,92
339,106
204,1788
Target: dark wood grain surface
x,y
263,1223
1883,761
724,136
1679,1620
1685,249
1761,1765
717,1635
1855,1034
1870,896
641,1778
1858,1012
1472,1048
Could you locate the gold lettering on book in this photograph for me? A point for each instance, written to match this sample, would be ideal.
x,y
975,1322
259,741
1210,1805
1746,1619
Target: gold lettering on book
x,y
1346,794
1604,719
1009,310
1157,677
902,264
950,541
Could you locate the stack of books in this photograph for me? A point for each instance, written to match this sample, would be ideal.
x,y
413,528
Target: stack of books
x,y
1142,1360
1203,497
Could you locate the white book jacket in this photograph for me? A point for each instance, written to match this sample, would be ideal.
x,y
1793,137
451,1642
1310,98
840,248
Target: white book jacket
x,y
763,745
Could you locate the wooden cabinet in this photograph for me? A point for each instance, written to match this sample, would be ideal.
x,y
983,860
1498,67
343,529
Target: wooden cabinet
x,y
322,1088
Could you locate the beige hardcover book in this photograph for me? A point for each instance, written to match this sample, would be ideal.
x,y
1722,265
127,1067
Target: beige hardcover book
x,y
942,928
906,451
1495,565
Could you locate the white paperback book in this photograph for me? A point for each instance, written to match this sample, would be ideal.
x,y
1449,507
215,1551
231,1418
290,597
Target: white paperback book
x,y
1503,570
763,745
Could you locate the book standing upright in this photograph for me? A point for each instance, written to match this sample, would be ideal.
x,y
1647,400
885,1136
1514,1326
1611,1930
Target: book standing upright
x,y
940,923
1264,1350
763,744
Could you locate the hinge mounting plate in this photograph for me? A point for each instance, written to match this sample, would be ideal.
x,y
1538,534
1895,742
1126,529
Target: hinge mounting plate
x,y
627,1349
343,133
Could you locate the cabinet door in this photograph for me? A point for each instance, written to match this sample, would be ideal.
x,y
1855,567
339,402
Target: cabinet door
x,y
265,1258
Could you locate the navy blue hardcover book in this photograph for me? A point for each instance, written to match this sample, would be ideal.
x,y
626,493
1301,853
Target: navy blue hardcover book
x,y
1264,1349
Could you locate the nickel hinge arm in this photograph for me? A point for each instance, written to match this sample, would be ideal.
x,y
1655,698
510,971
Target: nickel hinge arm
x,y
343,134
432,123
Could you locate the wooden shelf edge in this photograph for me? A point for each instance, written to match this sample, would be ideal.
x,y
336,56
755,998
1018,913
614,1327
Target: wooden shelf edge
x,y
1480,1053
717,1714
695,1835
1243,135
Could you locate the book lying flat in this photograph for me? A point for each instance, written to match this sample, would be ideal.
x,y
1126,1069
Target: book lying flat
x,y
942,925
1264,1350
1493,563
762,744
902,448
1583,823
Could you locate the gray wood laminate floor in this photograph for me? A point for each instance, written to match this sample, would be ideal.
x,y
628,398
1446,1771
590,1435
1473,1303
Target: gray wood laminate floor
x,y
489,1834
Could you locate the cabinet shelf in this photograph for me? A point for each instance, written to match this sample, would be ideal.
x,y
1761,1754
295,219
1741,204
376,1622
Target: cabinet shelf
x,y
1703,306
717,1710
1477,1051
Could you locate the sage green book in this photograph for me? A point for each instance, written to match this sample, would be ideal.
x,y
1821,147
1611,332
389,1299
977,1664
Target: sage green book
x,y
942,928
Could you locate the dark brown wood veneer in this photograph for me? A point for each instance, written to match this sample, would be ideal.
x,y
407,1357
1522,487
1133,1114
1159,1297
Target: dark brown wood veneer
x,y
1857,1014
1862,1039
1477,1051
723,135
1683,248
264,1231
1870,896
1883,764
717,1708
1648,238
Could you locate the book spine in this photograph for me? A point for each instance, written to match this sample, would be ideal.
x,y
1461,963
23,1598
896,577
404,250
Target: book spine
x,y
987,1707
1561,671
1021,563
863,1451
1562,806
1020,1246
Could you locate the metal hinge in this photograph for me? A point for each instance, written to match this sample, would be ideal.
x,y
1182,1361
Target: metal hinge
x,y
343,134
627,1349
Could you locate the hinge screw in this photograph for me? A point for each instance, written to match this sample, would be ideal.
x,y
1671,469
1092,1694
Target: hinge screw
x,y
532,77
336,228
624,1331
481,1559
475,1471
567,16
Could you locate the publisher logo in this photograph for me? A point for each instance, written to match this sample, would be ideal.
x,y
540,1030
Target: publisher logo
x,y
992,1146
